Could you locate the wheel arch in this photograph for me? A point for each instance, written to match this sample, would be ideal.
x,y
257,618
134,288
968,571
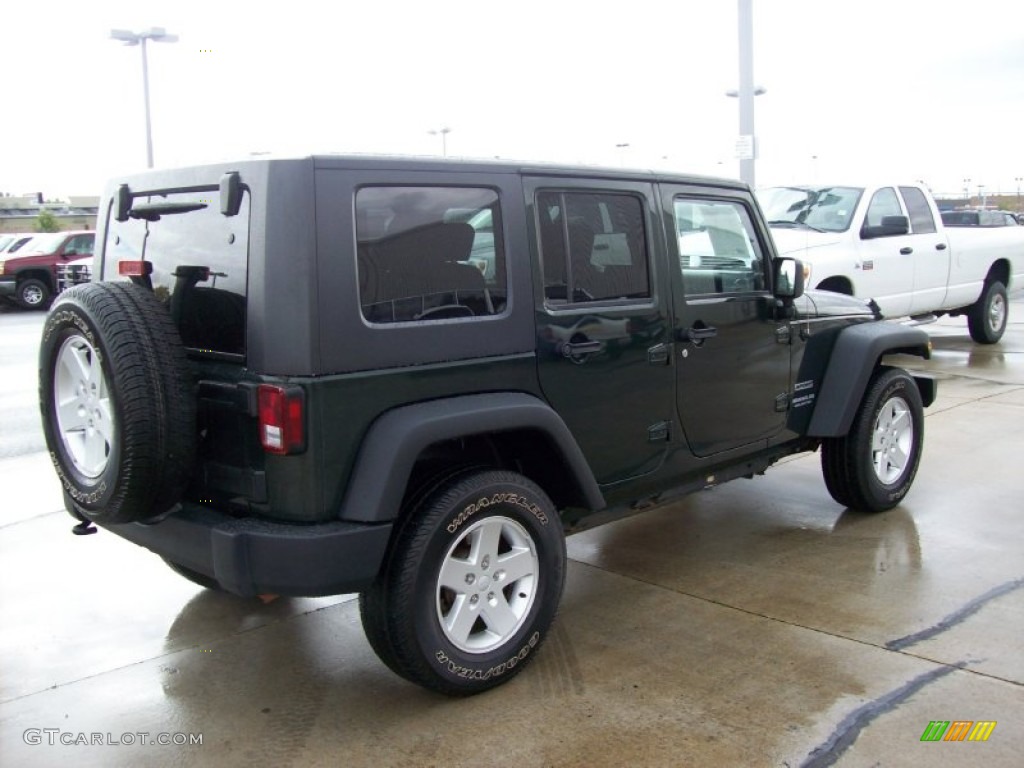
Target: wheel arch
x,y
856,355
36,273
836,283
999,271
519,431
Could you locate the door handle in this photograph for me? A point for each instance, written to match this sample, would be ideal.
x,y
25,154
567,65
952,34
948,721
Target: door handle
x,y
580,349
906,250
700,333
940,247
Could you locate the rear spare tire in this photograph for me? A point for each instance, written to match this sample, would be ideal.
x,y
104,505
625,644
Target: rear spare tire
x,y
115,391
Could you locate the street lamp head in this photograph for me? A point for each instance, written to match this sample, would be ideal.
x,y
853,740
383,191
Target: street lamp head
x,y
125,36
157,34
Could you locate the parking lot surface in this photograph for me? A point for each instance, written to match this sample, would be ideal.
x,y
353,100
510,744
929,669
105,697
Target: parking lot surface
x,y
758,623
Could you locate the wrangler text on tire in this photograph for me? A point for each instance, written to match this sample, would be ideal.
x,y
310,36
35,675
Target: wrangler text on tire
x,y
471,584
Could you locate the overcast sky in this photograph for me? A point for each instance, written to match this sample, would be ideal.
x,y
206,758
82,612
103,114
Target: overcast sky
x,y
927,90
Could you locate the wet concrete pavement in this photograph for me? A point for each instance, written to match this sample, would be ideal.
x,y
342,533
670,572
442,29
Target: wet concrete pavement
x,y
755,624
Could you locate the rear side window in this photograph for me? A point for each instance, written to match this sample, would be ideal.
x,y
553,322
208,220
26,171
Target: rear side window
x,y
593,247
200,263
921,220
429,253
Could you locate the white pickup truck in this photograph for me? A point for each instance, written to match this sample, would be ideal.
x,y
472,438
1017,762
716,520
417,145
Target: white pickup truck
x,y
888,243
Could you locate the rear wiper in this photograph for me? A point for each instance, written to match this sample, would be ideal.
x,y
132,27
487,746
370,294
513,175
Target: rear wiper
x,y
153,211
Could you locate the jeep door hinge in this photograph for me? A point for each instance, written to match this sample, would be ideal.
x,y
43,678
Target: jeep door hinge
x,y
783,335
782,402
658,433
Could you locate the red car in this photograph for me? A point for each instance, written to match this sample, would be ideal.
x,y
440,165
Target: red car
x,y
30,276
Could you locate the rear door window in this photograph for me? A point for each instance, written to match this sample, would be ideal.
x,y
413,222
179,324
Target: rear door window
x,y
921,220
200,264
593,246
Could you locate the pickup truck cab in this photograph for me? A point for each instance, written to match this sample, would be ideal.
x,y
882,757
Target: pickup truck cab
x,y
30,276
888,243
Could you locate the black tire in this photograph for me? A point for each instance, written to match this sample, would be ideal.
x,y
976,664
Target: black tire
x,y
856,472
986,319
32,294
406,611
124,444
194,576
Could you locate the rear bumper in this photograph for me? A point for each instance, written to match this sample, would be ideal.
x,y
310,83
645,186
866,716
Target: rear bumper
x,y
251,557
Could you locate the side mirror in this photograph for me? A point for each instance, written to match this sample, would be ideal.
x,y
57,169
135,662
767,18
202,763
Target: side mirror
x,y
123,203
788,279
891,226
230,193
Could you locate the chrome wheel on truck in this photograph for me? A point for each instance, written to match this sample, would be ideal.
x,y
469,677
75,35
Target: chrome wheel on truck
x,y
986,319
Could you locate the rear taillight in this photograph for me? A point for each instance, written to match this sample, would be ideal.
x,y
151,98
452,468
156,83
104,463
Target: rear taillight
x,y
282,419
135,268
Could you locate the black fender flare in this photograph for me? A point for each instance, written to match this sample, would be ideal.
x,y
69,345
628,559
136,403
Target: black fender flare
x,y
397,438
854,358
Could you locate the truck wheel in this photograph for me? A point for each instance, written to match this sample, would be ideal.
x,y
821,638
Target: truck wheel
x,y
32,294
471,584
117,401
873,467
986,319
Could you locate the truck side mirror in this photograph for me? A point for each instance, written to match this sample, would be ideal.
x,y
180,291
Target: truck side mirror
x,y
788,279
891,226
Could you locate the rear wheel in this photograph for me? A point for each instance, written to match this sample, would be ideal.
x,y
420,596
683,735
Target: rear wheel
x,y
874,465
115,391
986,319
471,584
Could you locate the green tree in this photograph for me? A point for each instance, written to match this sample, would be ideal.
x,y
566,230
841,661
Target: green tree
x,y
46,222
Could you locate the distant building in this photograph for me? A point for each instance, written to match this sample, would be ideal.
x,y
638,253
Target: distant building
x,y
19,213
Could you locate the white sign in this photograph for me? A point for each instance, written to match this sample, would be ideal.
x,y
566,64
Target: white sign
x,y
745,147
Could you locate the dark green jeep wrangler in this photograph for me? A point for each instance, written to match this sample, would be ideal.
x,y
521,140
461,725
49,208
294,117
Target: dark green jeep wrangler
x,y
409,379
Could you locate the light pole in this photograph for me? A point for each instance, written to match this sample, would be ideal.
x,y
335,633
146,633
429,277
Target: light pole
x,y
622,147
967,193
746,146
1018,179
443,133
159,34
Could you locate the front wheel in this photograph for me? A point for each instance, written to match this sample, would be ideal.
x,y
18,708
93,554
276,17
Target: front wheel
x,y
986,319
874,465
32,294
471,584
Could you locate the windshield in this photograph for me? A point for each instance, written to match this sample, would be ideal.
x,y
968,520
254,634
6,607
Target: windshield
x,y
826,209
44,243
